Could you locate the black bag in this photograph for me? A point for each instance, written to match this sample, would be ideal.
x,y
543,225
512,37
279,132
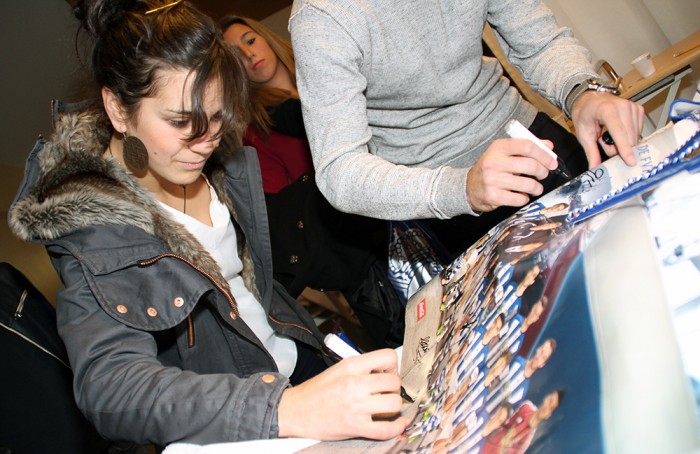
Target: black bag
x,y
38,413
378,307
314,245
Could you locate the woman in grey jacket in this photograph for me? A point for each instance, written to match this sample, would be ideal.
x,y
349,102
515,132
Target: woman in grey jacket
x,y
174,327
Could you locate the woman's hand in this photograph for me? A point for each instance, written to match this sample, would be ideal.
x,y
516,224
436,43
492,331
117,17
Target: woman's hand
x,y
358,397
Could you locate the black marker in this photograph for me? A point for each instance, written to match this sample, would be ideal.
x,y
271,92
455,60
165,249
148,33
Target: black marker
x,y
516,130
405,395
607,138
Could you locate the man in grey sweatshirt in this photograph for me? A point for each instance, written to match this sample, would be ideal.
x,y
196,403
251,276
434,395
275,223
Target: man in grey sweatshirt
x,y
405,116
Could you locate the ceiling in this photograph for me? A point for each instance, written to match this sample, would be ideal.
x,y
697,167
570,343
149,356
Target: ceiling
x,y
256,9
39,62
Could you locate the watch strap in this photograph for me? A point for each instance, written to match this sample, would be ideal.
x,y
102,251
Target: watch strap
x,y
587,85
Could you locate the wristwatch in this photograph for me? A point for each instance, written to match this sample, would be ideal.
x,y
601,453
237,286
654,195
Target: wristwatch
x,y
588,85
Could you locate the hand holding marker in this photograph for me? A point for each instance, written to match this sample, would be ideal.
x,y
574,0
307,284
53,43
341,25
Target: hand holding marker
x,y
516,130
344,350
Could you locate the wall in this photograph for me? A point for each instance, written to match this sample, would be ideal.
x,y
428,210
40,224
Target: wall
x,y
620,30
39,63
278,22
30,259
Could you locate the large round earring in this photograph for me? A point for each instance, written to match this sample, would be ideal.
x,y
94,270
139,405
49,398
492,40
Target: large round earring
x,y
135,153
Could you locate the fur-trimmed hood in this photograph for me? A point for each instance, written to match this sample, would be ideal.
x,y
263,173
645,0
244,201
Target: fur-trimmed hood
x,y
77,188
157,349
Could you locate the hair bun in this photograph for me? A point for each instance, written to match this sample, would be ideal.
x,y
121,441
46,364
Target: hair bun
x,y
98,15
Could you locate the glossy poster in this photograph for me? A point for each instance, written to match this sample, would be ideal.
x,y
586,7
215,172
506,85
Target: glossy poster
x,y
508,336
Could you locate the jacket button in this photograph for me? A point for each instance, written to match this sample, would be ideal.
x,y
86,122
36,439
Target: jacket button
x,y
152,311
232,315
300,224
293,259
268,378
178,302
122,309
305,178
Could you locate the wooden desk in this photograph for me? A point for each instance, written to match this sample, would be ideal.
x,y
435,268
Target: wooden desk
x,y
512,73
671,66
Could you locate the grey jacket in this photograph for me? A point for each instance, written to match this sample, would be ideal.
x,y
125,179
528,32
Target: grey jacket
x,y
158,351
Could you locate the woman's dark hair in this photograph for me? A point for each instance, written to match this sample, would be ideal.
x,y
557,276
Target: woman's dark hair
x,y
135,39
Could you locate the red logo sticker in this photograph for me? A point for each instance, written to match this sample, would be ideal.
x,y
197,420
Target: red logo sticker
x,y
421,309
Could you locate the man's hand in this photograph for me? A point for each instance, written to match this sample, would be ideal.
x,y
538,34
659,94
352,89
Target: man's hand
x,y
358,397
593,111
507,174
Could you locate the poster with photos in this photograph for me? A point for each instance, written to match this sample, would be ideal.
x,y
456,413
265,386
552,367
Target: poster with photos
x,y
503,352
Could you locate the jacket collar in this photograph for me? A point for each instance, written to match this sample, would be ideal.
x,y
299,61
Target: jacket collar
x,y
71,186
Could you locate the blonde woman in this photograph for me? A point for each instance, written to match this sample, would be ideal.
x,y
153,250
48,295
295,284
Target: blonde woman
x,y
277,127
313,244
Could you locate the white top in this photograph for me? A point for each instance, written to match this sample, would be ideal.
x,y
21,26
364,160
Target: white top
x,y
220,242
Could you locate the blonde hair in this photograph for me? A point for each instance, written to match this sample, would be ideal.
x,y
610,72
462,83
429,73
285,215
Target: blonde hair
x,y
262,97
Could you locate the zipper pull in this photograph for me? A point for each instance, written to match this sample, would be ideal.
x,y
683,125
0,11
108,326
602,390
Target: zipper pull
x,y
20,306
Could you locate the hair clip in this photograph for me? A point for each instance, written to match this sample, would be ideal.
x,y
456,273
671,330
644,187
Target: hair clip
x,y
169,5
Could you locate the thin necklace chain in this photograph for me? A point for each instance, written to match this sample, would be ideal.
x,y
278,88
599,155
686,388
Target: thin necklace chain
x,y
184,186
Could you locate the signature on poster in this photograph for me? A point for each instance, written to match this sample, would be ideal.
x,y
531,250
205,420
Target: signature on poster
x,y
590,177
422,349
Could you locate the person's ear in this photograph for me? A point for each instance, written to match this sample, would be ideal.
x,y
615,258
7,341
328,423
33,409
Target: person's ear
x,y
114,109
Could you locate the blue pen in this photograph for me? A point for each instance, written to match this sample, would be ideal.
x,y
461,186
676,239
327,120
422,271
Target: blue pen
x,y
346,339
338,346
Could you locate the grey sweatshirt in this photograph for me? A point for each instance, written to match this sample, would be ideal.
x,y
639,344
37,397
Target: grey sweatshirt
x,y
399,101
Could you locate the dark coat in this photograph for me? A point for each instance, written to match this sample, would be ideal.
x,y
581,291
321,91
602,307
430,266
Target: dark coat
x,y
152,331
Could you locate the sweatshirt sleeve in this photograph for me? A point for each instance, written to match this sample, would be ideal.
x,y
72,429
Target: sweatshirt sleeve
x,y
331,86
128,394
551,60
